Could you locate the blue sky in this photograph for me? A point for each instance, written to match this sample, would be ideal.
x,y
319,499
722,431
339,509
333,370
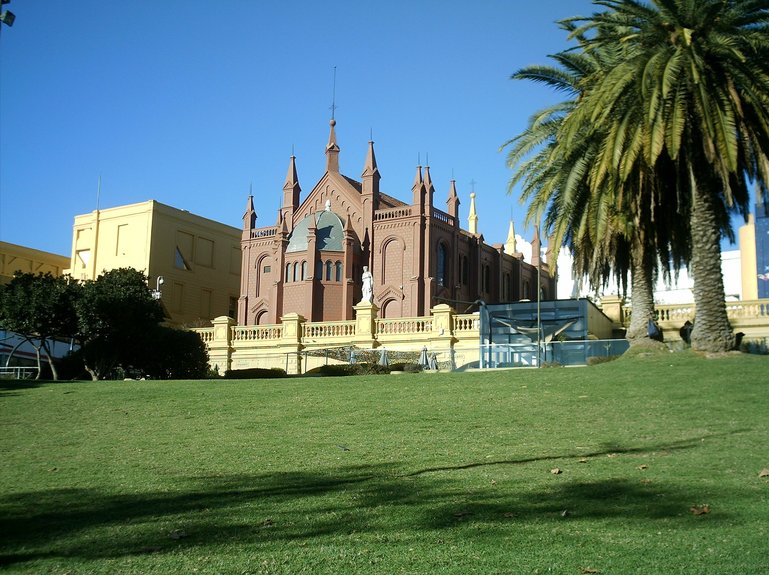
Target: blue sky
x,y
191,103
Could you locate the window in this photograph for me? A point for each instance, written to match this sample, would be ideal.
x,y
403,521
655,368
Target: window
x,y
205,303
304,271
233,308
267,269
328,270
441,265
183,255
338,266
296,270
288,273
204,252
180,262
319,270
123,241
526,289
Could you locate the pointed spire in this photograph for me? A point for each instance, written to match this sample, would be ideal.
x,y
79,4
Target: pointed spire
x,y
472,219
510,245
370,177
453,202
536,248
418,188
429,188
291,188
332,150
370,167
249,217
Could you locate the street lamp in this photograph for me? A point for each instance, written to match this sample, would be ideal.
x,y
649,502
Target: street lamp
x,y
156,293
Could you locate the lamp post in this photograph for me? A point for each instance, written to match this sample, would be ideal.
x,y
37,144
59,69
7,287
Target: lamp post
x,y
156,293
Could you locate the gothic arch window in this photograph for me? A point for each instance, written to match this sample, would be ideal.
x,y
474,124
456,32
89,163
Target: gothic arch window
x,y
296,270
442,266
304,271
319,270
338,271
288,273
329,267
526,289
261,317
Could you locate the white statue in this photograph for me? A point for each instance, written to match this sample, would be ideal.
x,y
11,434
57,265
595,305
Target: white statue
x,y
368,285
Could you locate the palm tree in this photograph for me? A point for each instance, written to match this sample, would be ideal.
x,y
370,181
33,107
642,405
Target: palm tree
x,y
698,72
613,225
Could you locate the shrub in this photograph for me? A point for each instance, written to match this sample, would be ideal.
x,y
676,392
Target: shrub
x,y
344,369
255,373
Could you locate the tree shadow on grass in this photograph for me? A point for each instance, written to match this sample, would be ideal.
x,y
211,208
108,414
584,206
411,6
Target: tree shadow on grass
x,y
263,509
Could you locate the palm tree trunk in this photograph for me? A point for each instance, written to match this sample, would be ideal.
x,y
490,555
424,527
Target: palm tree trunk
x,y
642,285
712,331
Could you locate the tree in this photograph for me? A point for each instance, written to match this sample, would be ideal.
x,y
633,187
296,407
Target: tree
x,y
607,221
116,314
39,307
698,71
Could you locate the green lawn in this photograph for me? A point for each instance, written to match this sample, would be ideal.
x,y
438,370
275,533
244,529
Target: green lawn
x,y
419,473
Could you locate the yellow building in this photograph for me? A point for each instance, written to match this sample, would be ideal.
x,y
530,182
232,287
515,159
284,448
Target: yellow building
x,y
195,262
15,258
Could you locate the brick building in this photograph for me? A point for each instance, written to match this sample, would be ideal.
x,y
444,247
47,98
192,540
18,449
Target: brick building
x,y
311,261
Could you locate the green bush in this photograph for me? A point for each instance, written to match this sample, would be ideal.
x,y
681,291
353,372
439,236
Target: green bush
x,y
255,373
407,367
345,369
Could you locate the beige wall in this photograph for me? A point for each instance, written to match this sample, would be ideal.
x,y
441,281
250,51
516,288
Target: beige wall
x,y
15,258
199,259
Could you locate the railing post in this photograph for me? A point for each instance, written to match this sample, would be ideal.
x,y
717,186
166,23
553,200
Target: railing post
x,y
291,341
611,306
442,338
220,347
365,324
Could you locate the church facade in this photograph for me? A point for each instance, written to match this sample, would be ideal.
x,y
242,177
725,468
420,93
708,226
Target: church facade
x,y
311,262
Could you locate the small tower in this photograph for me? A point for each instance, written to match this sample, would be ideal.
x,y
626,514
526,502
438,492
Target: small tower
x,y
249,217
418,189
291,191
472,219
429,189
369,197
511,247
332,150
453,203
536,248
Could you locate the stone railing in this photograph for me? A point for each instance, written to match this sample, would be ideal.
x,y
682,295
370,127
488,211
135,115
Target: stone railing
x,y
404,326
206,334
331,329
392,213
256,332
442,217
466,323
293,344
263,233
751,317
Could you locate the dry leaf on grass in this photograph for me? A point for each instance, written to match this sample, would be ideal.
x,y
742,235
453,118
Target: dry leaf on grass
x,y
700,509
556,471
588,570
643,467
764,473
177,534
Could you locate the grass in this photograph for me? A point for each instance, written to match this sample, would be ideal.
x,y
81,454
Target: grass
x,y
416,473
